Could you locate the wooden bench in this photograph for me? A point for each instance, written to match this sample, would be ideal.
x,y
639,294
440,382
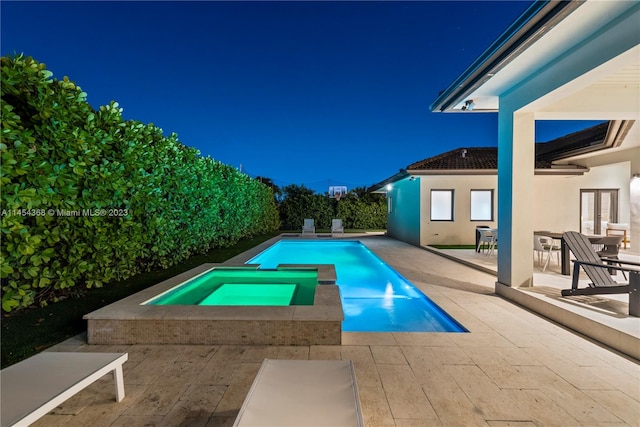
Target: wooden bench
x,y
302,393
34,387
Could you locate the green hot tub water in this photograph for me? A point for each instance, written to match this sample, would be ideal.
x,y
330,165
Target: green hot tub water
x,y
251,294
244,286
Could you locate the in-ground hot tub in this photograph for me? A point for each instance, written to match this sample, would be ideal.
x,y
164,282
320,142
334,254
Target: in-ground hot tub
x,y
158,315
244,286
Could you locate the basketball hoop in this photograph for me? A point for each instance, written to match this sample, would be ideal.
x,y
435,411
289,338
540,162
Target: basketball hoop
x,y
337,191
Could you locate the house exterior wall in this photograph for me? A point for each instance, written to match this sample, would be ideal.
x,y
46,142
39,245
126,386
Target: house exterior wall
x,y
555,203
403,222
629,216
557,199
460,231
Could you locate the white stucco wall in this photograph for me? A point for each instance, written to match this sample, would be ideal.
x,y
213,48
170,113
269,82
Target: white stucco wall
x,y
632,157
462,230
555,202
557,199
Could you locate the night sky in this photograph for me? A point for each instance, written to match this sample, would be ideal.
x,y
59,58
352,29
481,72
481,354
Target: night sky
x,y
313,93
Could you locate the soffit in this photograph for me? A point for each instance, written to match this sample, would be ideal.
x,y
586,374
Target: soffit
x,y
575,28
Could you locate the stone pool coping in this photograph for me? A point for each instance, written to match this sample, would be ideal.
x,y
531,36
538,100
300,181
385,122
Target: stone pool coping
x,y
128,322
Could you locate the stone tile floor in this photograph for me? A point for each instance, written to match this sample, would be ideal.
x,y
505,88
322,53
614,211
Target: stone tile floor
x,y
514,368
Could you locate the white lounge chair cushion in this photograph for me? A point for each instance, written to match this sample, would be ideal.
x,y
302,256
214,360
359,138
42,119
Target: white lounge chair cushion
x,y
302,393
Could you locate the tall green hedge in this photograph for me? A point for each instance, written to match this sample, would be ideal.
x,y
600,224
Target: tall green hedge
x,y
89,198
358,209
362,210
300,202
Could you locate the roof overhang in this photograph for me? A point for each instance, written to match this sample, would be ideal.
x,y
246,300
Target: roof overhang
x,y
564,170
554,170
533,43
381,187
560,169
613,135
432,172
536,21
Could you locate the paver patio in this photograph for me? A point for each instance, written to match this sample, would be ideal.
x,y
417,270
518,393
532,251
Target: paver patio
x,y
513,368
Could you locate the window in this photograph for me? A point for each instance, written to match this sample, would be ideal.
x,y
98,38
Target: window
x,y
481,205
441,205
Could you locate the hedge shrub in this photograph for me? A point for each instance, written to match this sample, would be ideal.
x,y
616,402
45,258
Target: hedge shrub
x,y
362,210
89,198
358,209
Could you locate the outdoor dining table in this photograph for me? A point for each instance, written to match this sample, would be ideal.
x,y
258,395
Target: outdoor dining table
x,y
565,258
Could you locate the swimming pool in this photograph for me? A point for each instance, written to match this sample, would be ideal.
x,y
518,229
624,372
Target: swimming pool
x,y
375,297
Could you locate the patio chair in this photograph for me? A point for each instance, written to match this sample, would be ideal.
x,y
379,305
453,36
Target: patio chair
x,y
619,229
596,269
488,238
336,226
308,226
545,245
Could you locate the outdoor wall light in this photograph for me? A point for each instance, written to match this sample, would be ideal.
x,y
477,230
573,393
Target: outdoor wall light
x,y
468,105
388,187
413,178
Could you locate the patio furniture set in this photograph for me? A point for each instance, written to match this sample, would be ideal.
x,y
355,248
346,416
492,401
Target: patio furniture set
x,y
599,265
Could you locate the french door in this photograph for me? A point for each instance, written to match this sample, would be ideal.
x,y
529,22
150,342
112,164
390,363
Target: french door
x,y
597,208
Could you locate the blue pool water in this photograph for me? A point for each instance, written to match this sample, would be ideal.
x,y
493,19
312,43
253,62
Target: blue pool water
x,y
375,297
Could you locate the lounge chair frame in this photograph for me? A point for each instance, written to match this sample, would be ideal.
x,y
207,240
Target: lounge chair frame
x,y
309,226
37,385
336,226
598,272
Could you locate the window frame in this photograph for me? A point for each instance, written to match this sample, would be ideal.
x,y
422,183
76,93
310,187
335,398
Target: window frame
x,y
479,190
452,193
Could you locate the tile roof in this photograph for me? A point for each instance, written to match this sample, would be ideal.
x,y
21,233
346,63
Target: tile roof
x,y
460,158
473,158
486,158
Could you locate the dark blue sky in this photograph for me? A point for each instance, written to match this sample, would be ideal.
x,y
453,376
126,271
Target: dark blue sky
x,y
301,92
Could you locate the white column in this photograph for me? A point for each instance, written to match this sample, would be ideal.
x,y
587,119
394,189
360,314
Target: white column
x,y
516,163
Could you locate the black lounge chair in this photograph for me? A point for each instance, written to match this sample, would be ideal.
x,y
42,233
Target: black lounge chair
x,y
597,269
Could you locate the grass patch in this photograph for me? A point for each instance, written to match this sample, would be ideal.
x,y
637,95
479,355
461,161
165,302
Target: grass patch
x,y
30,331
453,246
